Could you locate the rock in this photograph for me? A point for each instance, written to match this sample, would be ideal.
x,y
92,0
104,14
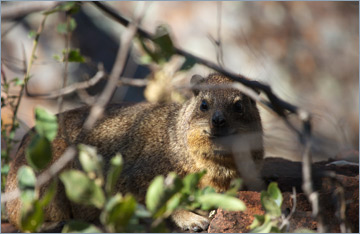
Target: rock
x,y
288,174
8,228
232,222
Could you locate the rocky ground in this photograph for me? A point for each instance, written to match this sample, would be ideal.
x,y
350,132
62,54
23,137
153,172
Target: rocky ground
x,y
288,175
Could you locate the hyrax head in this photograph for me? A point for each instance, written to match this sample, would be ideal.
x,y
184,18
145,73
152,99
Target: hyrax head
x,y
219,112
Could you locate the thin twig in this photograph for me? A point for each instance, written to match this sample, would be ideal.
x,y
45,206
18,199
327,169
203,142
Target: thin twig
x,y
341,202
27,74
3,76
132,82
101,74
125,43
19,10
286,221
218,42
45,176
307,185
65,77
72,88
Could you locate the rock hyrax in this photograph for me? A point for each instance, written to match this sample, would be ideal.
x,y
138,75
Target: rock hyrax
x,y
156,139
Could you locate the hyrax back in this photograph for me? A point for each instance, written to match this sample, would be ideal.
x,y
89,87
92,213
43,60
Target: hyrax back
x,y
217,130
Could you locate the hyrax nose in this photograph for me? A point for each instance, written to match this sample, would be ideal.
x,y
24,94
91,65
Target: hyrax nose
x,y
218,119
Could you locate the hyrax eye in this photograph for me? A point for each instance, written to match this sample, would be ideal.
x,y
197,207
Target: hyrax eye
x,y
204,105
238,107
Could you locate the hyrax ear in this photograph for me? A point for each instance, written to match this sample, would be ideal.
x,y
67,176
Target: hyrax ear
x,y
195,81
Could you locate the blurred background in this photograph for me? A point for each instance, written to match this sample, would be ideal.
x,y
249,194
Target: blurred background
x,y
307,51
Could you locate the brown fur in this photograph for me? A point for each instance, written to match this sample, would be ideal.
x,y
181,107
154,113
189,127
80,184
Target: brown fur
x,y
155,139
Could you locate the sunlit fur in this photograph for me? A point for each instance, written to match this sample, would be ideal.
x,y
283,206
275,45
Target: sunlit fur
x,y
155,139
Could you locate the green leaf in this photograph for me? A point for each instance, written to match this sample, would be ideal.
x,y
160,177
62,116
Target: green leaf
x,y
38,153
80,227
32,217
5,169
155,194
191,181
188,63
135,226
89,159
75,56
80,189
160,228
265,226
114,172
207,190
274,228
235,185
72,24
32,34
62,28
163,40
50,193
26,181
57,57
258,221
269,204
141,211
17,82
223,201
26,178
152,54
118,212
146,59
71,7
174,202
275,193
45,123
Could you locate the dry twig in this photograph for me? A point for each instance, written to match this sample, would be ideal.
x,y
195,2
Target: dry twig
x,y
286,221
218,42
72,88
98,108
45,176
19,10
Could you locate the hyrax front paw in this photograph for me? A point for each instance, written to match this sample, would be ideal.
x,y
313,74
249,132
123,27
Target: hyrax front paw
x,y
187,220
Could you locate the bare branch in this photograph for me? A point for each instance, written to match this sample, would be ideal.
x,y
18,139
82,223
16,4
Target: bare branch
x,y
72,88
307,185
286,221
126,39
218,42
78,87
18,10
27,74
44,177
132,82
340,200
65,77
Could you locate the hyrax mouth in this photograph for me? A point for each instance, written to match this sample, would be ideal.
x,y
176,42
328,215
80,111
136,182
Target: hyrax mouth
x,y
219,133
221,141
